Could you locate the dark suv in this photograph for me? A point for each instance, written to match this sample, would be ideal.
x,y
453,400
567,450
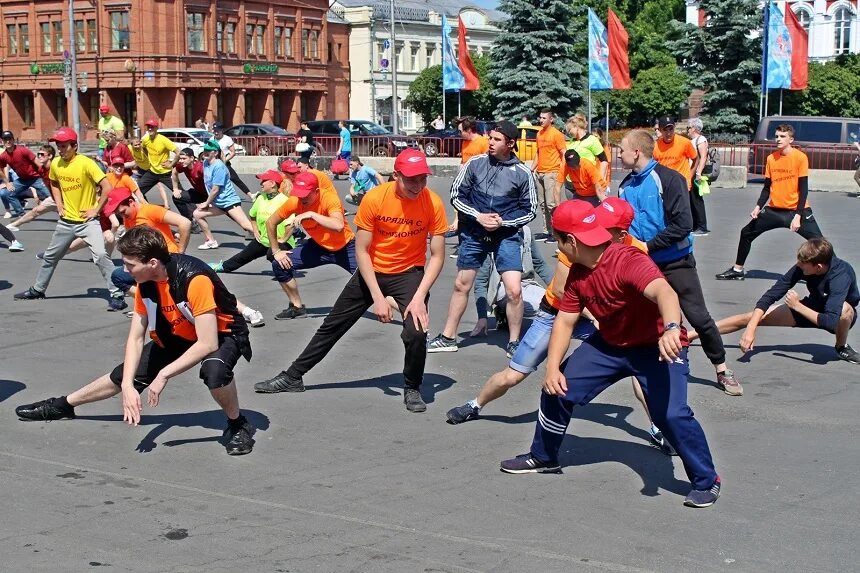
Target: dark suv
x,y
827,141
368,138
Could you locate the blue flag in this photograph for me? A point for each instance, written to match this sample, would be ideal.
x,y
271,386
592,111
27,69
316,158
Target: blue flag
x,y
778,74
598,54
452,77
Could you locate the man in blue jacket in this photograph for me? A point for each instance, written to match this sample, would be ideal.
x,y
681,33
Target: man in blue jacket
x,y
494,195
831,304
664,222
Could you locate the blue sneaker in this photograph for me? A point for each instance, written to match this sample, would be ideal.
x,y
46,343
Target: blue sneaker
x,y
217,267
462,414
117,304
704,498
527,464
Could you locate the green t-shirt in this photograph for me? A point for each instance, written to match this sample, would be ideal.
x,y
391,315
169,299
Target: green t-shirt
x,y
114,123
263,208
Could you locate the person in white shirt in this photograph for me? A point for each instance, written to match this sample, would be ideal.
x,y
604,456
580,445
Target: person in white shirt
x,y
228,152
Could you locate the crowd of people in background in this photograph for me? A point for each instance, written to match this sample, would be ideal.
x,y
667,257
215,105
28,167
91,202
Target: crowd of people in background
x,y
625,281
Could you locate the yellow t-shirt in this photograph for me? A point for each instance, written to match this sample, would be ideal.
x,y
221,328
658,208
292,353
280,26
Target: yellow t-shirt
x,y
139,156
114,123
157,151
78,180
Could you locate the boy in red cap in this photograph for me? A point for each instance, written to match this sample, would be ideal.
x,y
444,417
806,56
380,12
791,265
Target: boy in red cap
x,y
394,222
640,335
330,242
80,190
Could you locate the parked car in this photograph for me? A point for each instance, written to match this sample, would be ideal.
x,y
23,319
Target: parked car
x,y
827,141
614,123
443,142
192,137
368,138
263,138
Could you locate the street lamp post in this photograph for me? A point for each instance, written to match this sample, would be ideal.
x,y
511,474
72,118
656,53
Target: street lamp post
x,y
73,81
394,118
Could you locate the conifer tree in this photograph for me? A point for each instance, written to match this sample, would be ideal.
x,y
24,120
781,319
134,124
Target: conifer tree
x,y
532,60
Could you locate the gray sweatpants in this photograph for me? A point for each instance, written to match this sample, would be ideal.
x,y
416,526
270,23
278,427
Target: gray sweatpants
x,y
64,234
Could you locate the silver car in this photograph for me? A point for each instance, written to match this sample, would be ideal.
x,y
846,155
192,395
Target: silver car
x,y
192,137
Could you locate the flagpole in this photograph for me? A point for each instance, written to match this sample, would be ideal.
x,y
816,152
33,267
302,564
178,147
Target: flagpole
x,y
588,127
780,101
606,131
766,95
459,110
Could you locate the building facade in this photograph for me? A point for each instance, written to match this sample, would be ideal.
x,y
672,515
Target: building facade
x,y
418,45
833,25
236,61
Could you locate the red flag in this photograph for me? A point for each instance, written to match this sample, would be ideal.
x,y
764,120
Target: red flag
x,y
799,51
619,65
470,75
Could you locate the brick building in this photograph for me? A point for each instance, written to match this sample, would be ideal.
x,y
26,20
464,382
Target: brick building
x,y
238,61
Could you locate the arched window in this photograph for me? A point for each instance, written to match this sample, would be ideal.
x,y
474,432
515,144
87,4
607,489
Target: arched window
x,y
841,30
804,17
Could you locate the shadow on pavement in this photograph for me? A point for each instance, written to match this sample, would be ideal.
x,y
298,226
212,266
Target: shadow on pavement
x,y
5,285
392,385
9,388
759,274
210,420
819,353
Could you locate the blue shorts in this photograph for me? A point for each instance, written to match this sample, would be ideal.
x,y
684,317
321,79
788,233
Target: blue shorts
x,y
310,255
506,251
534,346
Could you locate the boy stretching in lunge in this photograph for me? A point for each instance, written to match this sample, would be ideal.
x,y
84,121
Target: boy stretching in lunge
x,y
831,304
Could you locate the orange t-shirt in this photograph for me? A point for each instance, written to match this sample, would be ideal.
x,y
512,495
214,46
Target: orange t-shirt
x,y
152,216
551,146
400,226
326,183
784,172
607,150
326,204
550,297
121,181
632,241
584,177
477,146
677,155
201,299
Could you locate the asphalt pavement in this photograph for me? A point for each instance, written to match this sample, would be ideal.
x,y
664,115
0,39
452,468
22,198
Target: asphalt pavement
x,y
343,478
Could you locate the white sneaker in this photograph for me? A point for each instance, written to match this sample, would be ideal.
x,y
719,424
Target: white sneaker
x,y
208,245
13,228
255,317
7,215
16,247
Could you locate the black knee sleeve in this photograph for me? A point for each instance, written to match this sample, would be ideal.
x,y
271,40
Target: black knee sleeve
x,y
215,373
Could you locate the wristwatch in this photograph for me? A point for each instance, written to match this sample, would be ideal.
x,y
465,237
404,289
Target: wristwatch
x,y
672,326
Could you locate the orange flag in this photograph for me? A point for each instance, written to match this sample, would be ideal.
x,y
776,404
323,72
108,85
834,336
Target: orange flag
x,y
470,75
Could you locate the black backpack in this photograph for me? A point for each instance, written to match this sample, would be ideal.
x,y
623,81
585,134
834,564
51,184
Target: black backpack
x,y
712,163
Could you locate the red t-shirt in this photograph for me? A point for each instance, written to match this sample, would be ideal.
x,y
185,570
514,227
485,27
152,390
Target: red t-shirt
x,y
118,150
195,175
21,160
612,292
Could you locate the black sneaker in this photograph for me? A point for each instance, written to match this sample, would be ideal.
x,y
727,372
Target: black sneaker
x,y
701,232
462,414
45,410
551,240
29,294
413,400
730,274
541,236
527,464
442,343
659,440
238,440
703,498
848,354
292,311
116,304
283,382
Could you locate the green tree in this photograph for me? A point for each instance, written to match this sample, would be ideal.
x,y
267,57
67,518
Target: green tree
x,y
723,58
655,92
834,89
532,60
425,94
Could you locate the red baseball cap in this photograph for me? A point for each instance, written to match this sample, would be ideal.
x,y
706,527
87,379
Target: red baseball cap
x,y
289,166
304,184
152,122
117,161
614,213
580,220
115,197
64,135
271,175
104,109
412,162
